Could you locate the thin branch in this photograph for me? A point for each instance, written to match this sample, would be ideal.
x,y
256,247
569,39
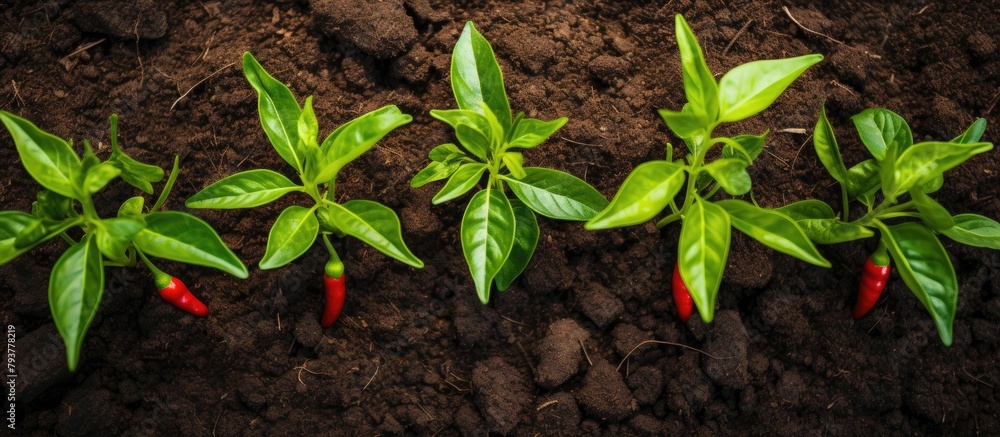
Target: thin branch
x,y
199,83
789,13
669,343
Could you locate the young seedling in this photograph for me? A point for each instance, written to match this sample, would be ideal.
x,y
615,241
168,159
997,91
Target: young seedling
x,y
895,185
76,284
293,131
705,225
499,232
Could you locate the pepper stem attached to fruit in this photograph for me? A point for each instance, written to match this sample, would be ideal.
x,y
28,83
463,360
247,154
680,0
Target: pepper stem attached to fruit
x,y
334,268
161,279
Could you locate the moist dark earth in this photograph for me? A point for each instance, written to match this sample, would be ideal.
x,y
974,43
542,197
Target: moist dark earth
x,y
415,353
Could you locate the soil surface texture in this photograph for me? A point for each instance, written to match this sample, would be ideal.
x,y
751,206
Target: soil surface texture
x,y
562,351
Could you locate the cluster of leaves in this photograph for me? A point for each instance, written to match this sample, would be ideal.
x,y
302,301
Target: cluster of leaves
x,y
895,184
706,226
76,284
293,131
499,233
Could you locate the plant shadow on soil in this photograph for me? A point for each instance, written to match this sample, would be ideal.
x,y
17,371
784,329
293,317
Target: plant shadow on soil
x,y
415,352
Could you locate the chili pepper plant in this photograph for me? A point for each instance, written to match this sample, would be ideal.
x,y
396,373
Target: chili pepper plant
x,y
705,224
66,205
293,131
894,186
499,232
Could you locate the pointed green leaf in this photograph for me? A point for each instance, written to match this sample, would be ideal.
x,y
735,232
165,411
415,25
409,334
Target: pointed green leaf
x,y
774,229
922,162
476,76
114,236
50,205
825,143
514,162
752,87
525,239
926,269
279,112
445,153
752,144
466,177
435,171
98,176
376,225
702,253
48,158
292,234
699,84
131,207
76,286
355,137
731,174
243,190
862,178
185,238
308,126
558,195
646,191
881,129
974,230
488,232
530,132
973,133
933,214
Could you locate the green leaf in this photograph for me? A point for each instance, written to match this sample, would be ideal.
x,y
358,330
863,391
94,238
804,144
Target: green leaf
x,y
774,229
308,126
98,176
473,139
376,225
167,187
76,286
881,129
530,132
114,235
731,174
279,112
558,195
474,121
699,84
926,269
181,237
832,230
933,214
973,133
752,144
292,234
525,239
702,253
684,124
646,191
50,205
355,137
476,76
435,171
446,153
31,235
488,232
807,209
825,143
975,230
14,224
243,190
862,178
48,158
752,87
466,177
514,162
131,207
135,173
922,162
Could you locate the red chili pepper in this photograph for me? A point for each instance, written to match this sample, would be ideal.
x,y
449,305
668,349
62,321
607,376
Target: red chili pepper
x,y
873,280
682,297
336,291
174,291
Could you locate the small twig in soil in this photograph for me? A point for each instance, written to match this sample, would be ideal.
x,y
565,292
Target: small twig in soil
x,y
579,143
797,23
17,93
279,321
834,402
199,83
800,150
792,130
513,321
372,378
668,343
585,354
425,411
993,104
303,367
778,158
738,34
845,87
546,405
977,379
83,48
885,310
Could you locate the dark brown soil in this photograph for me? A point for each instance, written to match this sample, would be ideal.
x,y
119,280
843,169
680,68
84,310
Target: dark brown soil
x,y
415,352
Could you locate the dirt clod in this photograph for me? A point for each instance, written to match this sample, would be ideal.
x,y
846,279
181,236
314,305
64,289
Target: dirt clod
x,y
502,394
381,29
604,393
559,354
728,342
